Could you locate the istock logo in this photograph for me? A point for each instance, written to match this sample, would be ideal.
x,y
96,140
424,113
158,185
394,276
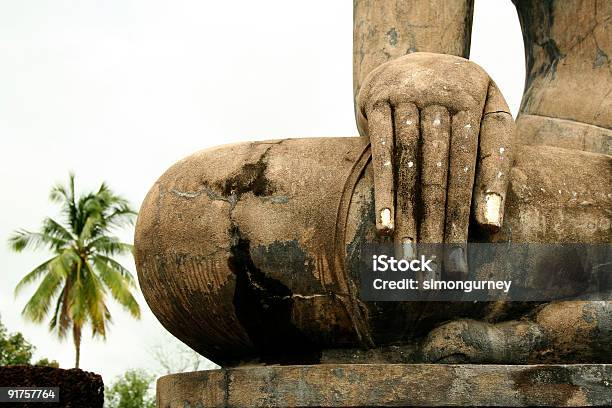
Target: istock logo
x,y
383,263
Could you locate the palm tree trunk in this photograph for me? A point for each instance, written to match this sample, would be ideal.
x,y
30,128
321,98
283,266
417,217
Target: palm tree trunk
x,y
76,335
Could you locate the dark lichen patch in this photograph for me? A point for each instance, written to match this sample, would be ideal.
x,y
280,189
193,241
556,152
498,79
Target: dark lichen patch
x,y
392,36
601,58
286,261
554,56
553,383
264,307
537,20
251,178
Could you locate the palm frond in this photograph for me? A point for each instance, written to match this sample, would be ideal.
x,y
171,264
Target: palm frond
x,y
55,229
34,274
65,195
115,210
109,246
121,216
71,178
59,194
125,273
60,322
38,306
92,223
22,239
65,319
118,284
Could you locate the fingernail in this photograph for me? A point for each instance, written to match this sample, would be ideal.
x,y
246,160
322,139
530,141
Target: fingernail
x,y
385,219
457,262
408,248
493,205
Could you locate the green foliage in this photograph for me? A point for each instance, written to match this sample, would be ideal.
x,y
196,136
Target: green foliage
x,y
75,282
45,362
130,391
15,349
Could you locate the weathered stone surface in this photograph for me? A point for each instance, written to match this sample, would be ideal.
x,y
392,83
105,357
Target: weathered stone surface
x,y
389,385
567,134
387,30
246,251
567,48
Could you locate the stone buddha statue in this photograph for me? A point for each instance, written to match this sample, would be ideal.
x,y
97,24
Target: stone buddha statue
x,y
248,253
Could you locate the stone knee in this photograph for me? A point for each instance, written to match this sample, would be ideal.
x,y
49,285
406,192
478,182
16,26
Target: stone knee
x,y
235,250
471,341
575,331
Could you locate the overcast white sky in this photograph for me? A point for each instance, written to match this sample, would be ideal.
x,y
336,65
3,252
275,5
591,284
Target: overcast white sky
x,y
120,90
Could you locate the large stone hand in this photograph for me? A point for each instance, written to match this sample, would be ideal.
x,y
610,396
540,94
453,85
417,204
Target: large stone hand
x,y
439,129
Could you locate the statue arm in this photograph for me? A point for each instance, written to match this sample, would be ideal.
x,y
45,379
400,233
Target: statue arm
x,y
384,30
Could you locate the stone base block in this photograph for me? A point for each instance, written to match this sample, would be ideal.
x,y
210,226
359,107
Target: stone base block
x,y
389,385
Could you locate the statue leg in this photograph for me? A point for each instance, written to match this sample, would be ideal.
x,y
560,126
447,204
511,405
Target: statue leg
x,y
557,332
575,331
471,341
249,252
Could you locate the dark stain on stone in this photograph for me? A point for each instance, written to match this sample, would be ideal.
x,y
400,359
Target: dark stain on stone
x,y
227,383
554,56
392,36
251,178
467,27
537,19
541,383
264,308
601,58
186,305
286,261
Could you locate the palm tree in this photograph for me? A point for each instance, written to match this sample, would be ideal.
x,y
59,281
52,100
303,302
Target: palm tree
x,y
75,282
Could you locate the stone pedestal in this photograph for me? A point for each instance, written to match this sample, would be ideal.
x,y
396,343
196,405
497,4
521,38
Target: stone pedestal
x,y
389,385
